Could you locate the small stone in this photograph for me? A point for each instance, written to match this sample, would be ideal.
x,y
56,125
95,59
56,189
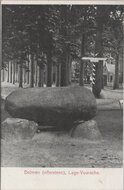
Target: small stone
x,y
91,157
38,131
73,145
104,157
105,149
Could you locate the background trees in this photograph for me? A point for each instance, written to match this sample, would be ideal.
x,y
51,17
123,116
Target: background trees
x,y
39,38
113,38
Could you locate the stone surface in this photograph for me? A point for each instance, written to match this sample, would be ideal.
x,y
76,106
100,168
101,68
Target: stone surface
x,y
58,107
88,130
18,129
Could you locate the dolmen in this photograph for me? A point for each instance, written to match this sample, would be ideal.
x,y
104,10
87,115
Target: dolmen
x,y
57,107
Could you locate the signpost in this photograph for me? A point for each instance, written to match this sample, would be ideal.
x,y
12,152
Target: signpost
x,y
95,61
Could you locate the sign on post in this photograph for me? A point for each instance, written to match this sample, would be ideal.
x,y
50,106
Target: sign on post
x,y
96,83
94,59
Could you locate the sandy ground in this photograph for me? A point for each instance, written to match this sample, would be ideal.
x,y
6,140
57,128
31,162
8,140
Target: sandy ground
x,y
58,149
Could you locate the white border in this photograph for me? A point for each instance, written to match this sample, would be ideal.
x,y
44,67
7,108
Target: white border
x,y
109,178
85,2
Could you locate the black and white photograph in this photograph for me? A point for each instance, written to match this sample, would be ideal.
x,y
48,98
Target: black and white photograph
x,y
62,86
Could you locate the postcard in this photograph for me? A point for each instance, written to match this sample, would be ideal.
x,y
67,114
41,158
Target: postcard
x,y
62,94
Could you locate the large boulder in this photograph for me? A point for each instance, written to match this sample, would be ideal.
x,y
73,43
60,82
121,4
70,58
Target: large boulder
x,y
58,107
18,129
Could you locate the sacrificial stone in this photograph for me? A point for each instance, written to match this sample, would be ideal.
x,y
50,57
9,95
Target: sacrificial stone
x,y
18,129
59,107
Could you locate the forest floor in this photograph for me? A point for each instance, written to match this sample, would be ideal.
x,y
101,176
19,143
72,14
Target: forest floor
x,y
58,149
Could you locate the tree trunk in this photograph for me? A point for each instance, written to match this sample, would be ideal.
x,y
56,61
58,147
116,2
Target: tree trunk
x,y
24,74
58,75
20,75
116,79
63,74
98,80
49,70
97,86
65,61
83,42
10,71
70,69
32,72
14,70
102,77
68,72
28,72
16,65
41,76
3,76
81,75
36,74
65,70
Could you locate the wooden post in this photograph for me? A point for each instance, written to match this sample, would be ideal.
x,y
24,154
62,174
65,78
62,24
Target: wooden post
x,y
97,71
